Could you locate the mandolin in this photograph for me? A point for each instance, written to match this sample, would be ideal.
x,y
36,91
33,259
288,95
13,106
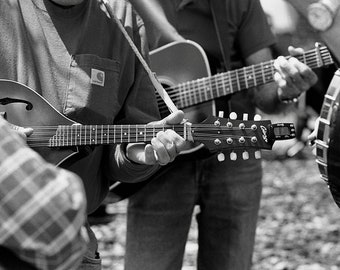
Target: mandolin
x,y
60,140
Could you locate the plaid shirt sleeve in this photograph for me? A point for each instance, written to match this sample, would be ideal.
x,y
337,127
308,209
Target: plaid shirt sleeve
x,y
42,207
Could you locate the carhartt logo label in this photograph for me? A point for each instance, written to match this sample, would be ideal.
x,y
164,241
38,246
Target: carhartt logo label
x,y
97,77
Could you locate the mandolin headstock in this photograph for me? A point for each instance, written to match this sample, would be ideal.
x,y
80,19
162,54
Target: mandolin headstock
x,y
240,136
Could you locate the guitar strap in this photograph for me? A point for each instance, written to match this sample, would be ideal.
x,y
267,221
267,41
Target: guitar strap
x,y
218,8
161,91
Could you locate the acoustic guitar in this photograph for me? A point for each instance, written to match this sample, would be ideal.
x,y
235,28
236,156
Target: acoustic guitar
x,y
60,140
183,69
328,138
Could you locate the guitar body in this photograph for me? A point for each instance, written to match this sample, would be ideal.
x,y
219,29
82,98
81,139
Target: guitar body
x,y
180,62
24,107
328,138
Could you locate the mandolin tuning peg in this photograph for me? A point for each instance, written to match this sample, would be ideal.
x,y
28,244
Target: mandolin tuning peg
x,y
233,156
258,154
220,157
221,114
245,117
245,155
233,115
257,117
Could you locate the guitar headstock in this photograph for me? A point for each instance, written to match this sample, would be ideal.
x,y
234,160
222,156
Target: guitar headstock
x,y
218,134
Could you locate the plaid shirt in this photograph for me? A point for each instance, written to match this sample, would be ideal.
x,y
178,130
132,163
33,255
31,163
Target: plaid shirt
x,y
42,208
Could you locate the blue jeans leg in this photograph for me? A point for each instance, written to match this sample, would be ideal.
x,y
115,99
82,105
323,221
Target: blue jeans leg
x,y
159,218
229,203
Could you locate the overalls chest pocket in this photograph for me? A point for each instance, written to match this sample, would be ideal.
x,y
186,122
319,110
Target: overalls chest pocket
x,y
92,94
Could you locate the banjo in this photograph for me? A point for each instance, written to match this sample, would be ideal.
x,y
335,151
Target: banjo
x,y
327,138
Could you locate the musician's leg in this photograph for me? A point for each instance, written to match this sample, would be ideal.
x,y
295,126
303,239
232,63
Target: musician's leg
x,y
230,199
159,218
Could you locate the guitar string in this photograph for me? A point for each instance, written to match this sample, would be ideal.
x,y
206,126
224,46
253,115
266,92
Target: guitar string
x,y
268,69
223,80
191,95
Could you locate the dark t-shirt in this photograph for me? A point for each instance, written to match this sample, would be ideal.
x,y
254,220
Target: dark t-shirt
x,y
248,32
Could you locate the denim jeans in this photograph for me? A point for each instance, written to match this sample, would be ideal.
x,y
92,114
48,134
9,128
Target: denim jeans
x,y
91,259
159,215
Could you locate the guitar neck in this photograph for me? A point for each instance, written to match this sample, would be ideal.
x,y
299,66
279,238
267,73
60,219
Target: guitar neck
x,y
77,135
223,84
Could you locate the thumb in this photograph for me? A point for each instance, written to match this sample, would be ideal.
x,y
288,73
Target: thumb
x,y
173,118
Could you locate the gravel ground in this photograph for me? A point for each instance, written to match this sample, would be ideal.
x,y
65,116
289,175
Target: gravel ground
x,y
298,227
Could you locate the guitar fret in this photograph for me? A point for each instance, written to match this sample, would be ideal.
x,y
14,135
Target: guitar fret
x,y
198,95
317,56
263,76
199,84
214,87
254,77
96,134
101,134
245,77
108,134
237,80
185,95
182,102
230,88
90,131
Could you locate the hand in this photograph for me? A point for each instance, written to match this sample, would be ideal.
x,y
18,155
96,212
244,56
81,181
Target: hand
x,y
164,147
313,136
22,131
292,76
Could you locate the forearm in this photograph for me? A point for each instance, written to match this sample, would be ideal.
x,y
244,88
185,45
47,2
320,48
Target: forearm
x,y
42,207
159,30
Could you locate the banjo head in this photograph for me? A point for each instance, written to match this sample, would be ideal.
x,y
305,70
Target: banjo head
x,y
328,138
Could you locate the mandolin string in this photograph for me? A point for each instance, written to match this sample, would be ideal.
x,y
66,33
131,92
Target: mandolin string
x,y
221,80
66,139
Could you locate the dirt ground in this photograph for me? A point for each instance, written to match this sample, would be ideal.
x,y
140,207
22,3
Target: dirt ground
x,y
298,226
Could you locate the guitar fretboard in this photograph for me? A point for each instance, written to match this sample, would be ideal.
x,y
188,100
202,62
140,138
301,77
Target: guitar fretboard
x,y
222,84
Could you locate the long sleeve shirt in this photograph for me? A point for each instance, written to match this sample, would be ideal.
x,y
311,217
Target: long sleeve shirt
x,y
42,207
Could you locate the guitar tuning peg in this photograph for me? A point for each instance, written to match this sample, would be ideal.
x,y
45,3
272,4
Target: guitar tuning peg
x,y
233,156
257,117
233,115
220,157
245,155
245,117
258,154
221,114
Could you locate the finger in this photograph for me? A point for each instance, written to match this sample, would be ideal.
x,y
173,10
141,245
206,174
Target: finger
x,y
289,70
303,77
169,139
295,51
162,155
150,157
